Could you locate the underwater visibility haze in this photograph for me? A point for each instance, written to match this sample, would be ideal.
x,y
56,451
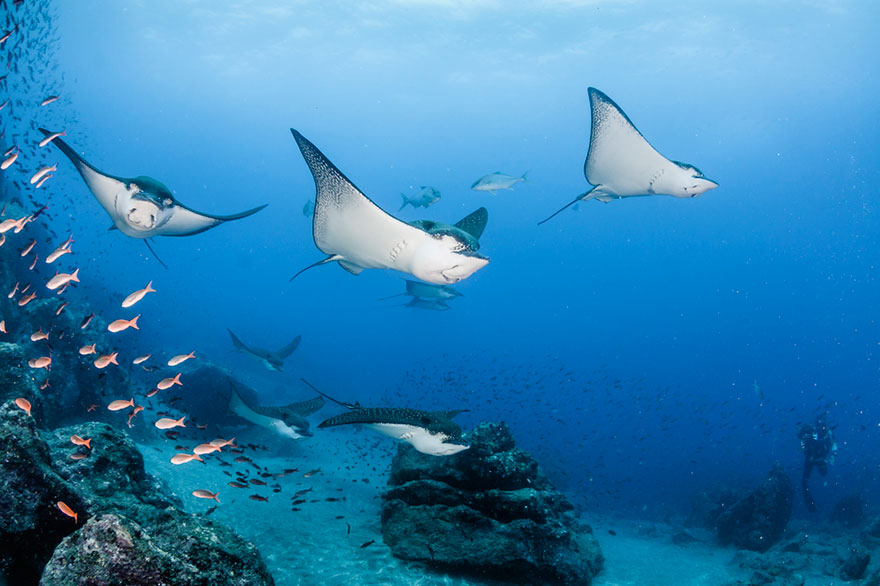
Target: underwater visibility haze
x,y
439,292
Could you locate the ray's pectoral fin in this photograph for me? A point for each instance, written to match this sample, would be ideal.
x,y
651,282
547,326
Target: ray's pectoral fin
x,y
474,223
104,187
592,194
186,221
290,348
330,258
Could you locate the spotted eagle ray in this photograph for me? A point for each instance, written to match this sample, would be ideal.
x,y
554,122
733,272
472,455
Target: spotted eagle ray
x,y
286,420
622,163
429,432
358,234
271,360
142,207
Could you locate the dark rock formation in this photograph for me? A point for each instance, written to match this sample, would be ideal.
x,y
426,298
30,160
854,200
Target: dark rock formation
x,y
487,511
856,563
758,520
30,522
133,515
111,550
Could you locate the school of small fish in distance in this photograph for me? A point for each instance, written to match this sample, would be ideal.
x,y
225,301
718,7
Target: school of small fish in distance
x,y
16,240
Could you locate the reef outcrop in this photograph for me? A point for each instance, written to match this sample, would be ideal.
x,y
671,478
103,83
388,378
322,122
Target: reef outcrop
x,y
122,514
757,520
488,511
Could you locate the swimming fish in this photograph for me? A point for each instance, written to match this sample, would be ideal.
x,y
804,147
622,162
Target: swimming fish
x,y
120,325
495,181
138,295
167,383
180,358
51,137
142,207
179,459
88,349
203,449
61,308
67,511
9,160
168,423
39,335
41,172
23,404
62,279
41,362
119,404
48,101
358,234
57,253
105,361
206,494
222,443
78,441
425,197
3,326
28,248
271,360
622,163
26,299
86,321
140,359
429,432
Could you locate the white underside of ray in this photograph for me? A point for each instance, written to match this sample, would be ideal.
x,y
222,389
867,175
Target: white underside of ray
x,y
348,224
620,162
420,438
237,406
185,221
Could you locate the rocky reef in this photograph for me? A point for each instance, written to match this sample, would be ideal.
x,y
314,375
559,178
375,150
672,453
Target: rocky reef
x,y
127,531
757,520
489,512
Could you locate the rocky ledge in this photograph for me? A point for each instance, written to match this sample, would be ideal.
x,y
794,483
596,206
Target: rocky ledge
x,y
488,512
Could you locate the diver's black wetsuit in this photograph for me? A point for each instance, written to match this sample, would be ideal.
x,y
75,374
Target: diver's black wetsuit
x,y
819,449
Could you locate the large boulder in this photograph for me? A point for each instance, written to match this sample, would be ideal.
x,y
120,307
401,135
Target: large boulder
x,y
488,511
114,551
757,521
31,524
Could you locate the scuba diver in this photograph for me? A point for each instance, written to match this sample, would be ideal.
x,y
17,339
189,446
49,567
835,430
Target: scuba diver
x,y
819,451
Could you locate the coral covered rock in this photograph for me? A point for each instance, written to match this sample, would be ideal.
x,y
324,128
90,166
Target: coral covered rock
x,y
487,511
111,550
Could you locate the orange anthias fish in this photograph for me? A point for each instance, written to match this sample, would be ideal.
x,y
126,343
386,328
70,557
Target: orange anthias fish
x,y
39,174
181,358
57,253
51,137
39,335
23,404
222,443
138,295
105,361
140,359
26,299
167,383
168,423
27,249
41,362
119,404
48,100
89,349
179,459
203,449
62,279
3,326
123,324
78,441
67,511
206,494
152,393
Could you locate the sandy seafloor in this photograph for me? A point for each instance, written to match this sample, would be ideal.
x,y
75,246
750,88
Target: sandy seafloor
x,y
312,546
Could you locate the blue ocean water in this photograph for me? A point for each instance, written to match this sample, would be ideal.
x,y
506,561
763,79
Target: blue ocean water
x,y
623,342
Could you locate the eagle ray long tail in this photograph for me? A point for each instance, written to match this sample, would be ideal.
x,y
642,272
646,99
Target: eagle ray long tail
x,y
566,206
